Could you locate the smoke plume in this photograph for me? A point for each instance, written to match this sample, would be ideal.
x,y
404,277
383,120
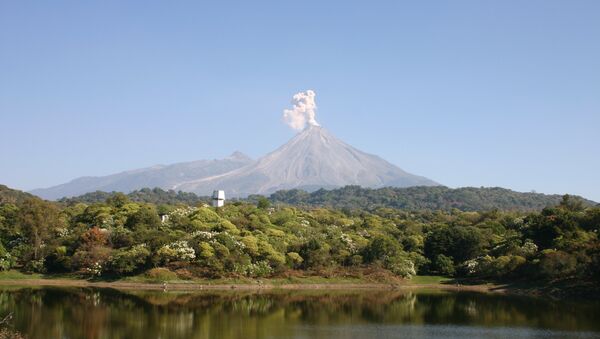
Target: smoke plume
x,y
303,112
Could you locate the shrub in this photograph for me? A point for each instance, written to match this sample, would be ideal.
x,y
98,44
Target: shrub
x,y
205,251
444,265
380,248
356,260
92,261
36,266
401,265
258,269
161,274
293,259
182,273
557,264
505,265
6,260
129,260
176,251
479,266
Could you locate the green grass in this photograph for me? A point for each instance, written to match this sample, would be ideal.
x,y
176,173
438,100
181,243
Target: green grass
x,y
143,278
16,275
429,279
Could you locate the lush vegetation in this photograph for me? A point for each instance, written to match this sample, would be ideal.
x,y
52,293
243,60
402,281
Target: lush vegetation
x,y
420,198
10,196
155,196
358,198
120,237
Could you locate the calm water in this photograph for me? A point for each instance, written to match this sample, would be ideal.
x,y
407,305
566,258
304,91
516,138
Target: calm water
x,y
105,313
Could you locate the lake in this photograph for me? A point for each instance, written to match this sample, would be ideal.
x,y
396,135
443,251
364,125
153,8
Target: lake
x,y
106,313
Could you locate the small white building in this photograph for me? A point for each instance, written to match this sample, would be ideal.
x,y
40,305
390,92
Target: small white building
x,y
218,198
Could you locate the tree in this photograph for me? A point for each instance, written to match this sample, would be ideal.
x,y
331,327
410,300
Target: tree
x,y
263,203
126,261
553,223
36,219
315,254
380,248
460,243
571,203
146,218
444,265
117,200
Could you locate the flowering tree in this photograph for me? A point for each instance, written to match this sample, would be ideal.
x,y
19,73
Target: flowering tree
x,y
176,251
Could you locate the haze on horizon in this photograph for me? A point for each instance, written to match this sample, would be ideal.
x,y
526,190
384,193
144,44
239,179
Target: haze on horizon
x,y
465,93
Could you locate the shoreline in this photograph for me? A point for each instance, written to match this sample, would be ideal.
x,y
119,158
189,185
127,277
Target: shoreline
x,y
515,289
199,286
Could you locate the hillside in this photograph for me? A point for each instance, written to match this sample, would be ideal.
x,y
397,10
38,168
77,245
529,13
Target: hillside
x,y
163,176
12,196
155,196
120,238
354,197
420,198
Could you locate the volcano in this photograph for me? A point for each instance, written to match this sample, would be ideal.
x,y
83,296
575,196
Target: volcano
x,y
313,159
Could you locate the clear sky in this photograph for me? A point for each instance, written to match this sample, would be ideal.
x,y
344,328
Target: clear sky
x,y
468,93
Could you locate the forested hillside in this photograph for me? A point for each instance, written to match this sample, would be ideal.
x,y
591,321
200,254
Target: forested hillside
x,y
354,197
421,198
120,237
154,196
11,196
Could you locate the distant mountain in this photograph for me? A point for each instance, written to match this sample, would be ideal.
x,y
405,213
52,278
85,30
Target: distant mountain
x,y
163,176
311,160
421,198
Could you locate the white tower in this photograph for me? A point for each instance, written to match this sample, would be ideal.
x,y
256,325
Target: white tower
x,y
218,198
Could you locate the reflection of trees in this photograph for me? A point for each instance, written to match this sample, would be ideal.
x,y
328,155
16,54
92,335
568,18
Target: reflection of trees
x,y
94,313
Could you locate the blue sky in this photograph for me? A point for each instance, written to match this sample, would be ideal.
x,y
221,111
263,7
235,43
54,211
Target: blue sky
x,y
468,93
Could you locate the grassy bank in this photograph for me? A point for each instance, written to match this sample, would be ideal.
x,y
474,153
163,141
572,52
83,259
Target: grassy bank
x,y
164,281
143,281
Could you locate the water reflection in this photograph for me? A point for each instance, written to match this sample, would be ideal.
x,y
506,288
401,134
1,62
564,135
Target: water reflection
x,y
106,313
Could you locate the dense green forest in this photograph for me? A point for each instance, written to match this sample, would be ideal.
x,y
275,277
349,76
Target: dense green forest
x,y
420,198
358,198
120,237
154,196
10,196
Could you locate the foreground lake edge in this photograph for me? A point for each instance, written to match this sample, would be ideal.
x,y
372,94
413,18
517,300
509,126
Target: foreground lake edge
x,y
267,284
93,311
572,289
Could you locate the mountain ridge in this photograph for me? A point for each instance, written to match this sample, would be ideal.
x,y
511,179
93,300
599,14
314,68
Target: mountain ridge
x,y
163,176
312,159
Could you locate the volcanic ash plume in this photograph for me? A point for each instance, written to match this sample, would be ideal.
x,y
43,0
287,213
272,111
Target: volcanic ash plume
x,y
303,111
